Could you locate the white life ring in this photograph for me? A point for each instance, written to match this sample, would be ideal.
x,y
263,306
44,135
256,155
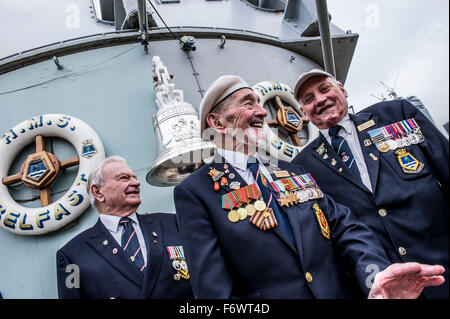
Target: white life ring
x,y
275,146
34,221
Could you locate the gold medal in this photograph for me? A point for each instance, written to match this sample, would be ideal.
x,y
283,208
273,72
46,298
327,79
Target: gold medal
x,y
260,205
383,147
233,216
250,209
242,213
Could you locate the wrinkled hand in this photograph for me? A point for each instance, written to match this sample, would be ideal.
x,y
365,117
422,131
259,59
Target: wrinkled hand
x,y
405,281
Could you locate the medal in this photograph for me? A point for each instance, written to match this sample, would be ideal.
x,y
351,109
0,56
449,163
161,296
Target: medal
x,y
233,216
176,254
383,147
259,205
250,209
242,213
392,144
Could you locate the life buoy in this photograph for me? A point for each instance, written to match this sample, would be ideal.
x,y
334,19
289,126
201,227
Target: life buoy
x,y
39,171
275,146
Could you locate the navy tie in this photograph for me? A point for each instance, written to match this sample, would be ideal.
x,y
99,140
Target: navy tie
x,y
341,147
130,243
271,201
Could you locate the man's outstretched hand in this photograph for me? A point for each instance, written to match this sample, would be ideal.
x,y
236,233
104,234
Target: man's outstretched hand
x,y
405,281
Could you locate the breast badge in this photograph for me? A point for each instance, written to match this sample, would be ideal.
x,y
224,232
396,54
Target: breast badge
x,y
322,221
409,163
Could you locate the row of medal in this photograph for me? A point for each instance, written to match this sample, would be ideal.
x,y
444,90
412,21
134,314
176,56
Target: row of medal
x,y
244,202
176,255
397,135
299,188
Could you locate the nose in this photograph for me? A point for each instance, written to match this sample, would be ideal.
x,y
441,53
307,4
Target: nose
x,y
320,99
260,111
135,182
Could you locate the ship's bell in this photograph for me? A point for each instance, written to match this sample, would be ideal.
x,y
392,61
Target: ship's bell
x,y
180,148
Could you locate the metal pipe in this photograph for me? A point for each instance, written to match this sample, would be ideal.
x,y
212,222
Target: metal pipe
x,y
142,15
325,37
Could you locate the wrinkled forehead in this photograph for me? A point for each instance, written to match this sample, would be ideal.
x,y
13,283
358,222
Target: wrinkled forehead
x,y
244,95
313,83
114,169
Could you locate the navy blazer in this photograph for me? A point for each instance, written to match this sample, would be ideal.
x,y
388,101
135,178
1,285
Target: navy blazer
x,y
105,274
408,212
240,260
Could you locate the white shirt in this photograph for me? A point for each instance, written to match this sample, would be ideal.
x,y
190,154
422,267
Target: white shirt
x,y
111,223
348,132
239,162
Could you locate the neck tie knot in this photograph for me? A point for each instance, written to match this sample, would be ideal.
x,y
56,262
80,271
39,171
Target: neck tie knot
x,y
334,131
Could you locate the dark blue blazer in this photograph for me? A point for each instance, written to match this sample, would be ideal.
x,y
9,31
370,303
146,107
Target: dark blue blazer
x,y
416,204
104,274
240,260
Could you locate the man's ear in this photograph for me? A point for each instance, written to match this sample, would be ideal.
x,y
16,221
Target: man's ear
x,y
95,191
213,121
343,90
305,117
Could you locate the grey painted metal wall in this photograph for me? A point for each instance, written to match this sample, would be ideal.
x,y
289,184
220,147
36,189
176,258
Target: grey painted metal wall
x,y
111,89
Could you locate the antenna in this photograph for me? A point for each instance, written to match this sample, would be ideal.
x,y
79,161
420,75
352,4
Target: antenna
x,y
392,94
381,99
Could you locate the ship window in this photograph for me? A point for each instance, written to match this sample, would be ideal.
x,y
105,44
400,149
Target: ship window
x,y
104,10
268,5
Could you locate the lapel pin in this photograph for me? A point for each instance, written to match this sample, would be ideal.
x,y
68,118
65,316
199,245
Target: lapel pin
x,y
340,169
367,142
105,243
333,162
155,234
373,157
114,251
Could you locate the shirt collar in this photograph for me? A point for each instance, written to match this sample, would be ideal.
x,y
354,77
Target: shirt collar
x,y
111,222
346,123
237,159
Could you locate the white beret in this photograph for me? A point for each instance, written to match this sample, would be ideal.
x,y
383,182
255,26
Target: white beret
x,y
218,92
305,77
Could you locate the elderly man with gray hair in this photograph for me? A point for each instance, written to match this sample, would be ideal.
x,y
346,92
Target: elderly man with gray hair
x,y
125,254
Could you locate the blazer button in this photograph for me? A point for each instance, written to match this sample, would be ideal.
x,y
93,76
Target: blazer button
x,y
308,277
382,212
402,251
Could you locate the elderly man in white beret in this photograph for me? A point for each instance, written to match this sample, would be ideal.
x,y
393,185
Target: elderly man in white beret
x,y
257,229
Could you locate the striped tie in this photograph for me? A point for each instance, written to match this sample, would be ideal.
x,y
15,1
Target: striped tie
x,y
271,202
341,147
130,243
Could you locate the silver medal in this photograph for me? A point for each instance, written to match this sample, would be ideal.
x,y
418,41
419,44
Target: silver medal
x,y
392,144
176,264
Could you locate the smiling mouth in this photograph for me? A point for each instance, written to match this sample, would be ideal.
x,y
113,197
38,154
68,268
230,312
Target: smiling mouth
x,y
257,124
325,108
133,192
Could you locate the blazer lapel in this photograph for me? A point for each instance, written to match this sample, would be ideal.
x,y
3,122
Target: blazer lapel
x,y
296,229
340,168
107,247
151,229
371,152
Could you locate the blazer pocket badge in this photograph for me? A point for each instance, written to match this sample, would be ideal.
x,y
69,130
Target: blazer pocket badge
x,y
409,163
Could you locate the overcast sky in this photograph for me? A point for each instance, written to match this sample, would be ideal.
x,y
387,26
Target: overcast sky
x,y
405,44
